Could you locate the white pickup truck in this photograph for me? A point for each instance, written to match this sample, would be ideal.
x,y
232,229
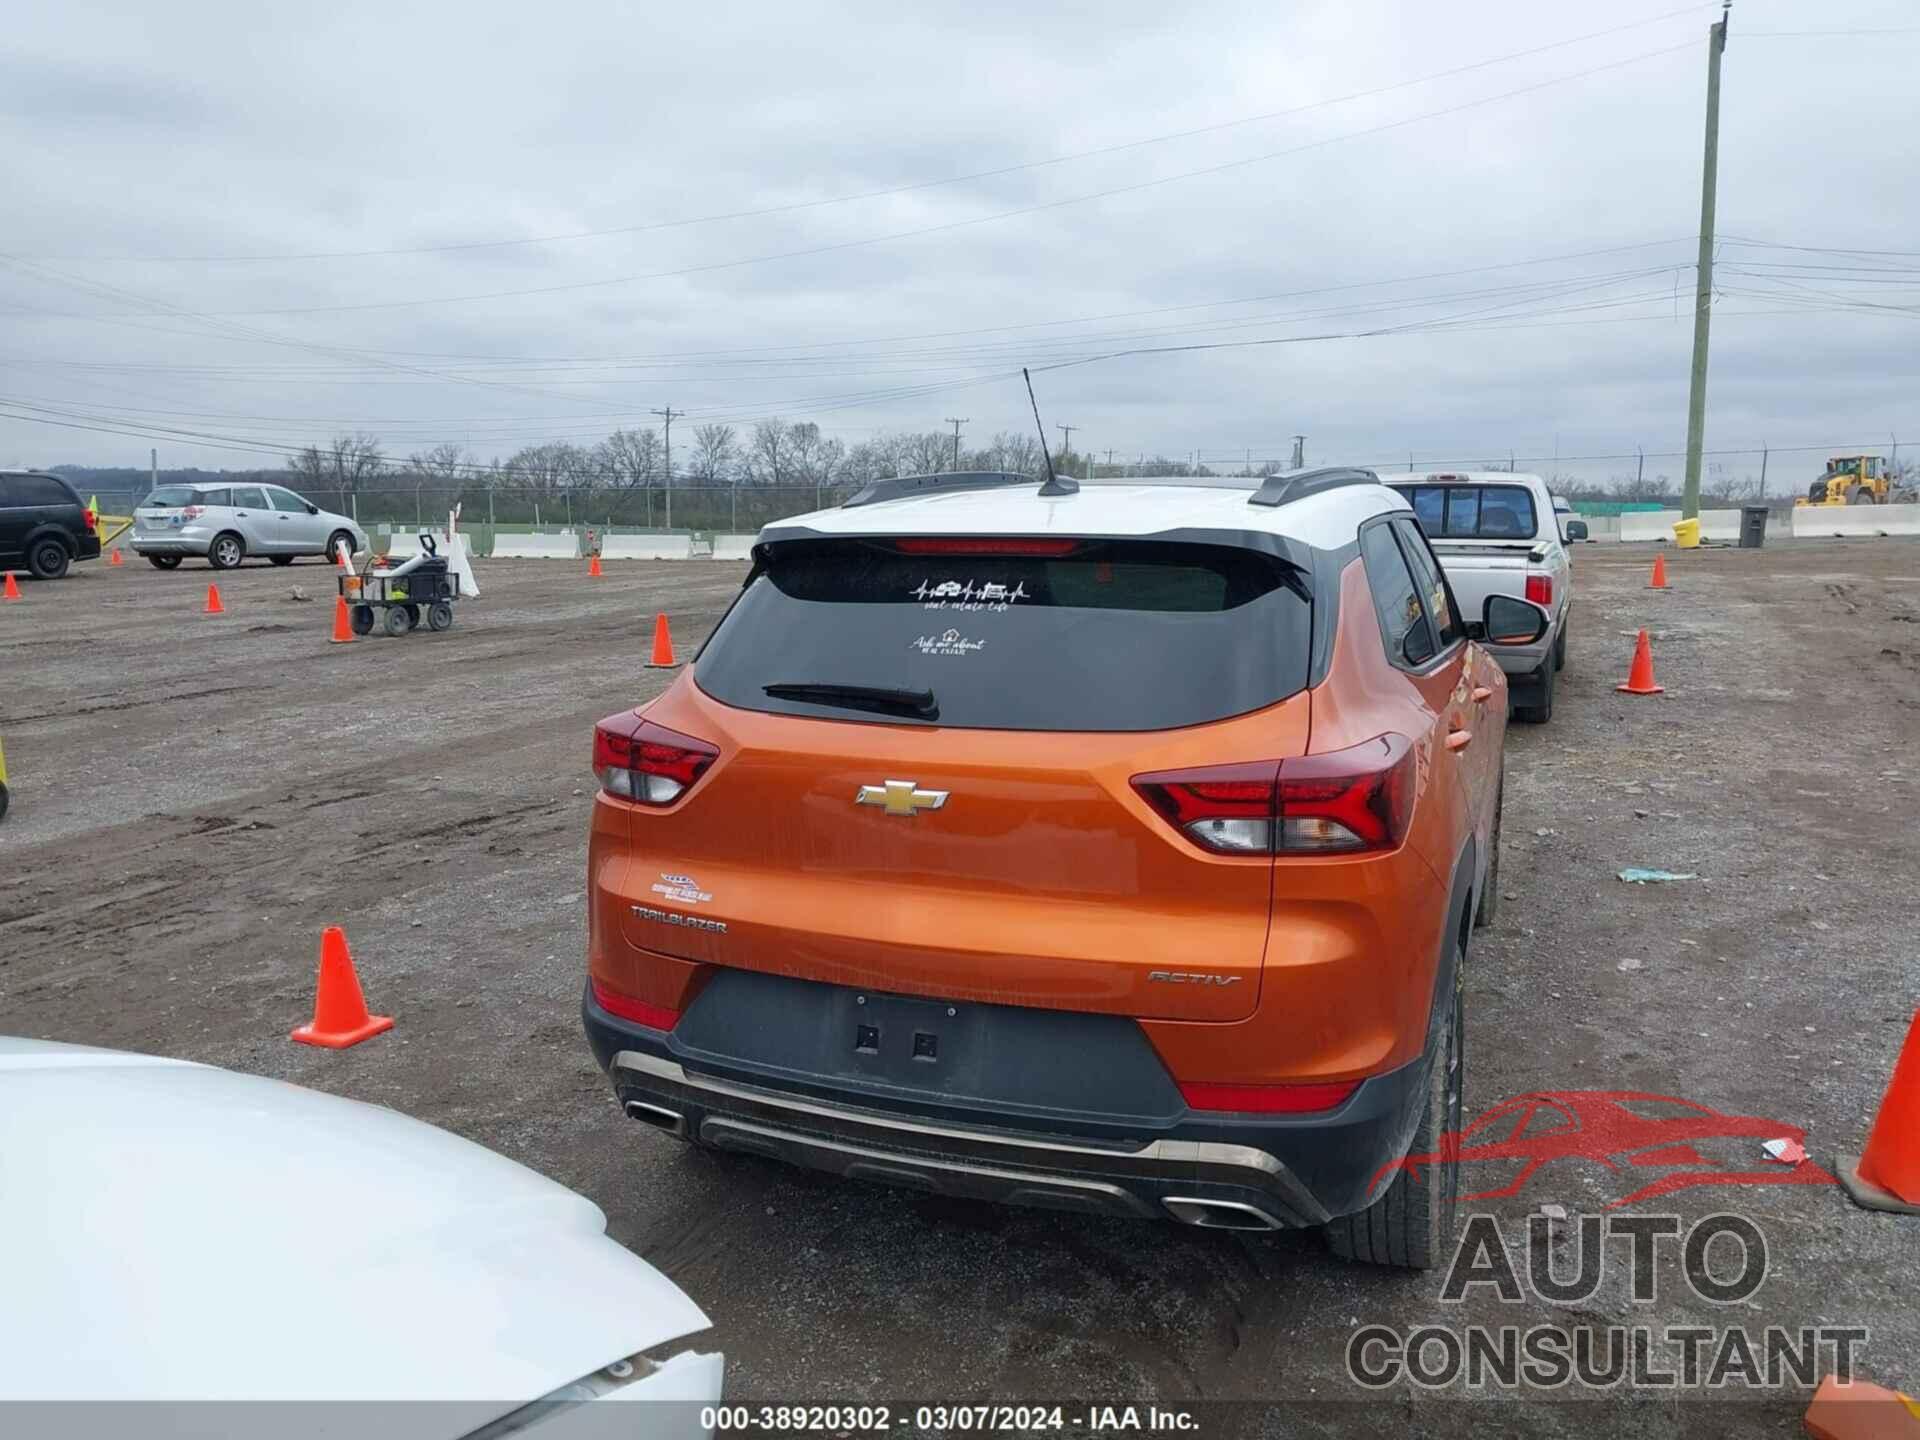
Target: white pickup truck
x,y
1496,534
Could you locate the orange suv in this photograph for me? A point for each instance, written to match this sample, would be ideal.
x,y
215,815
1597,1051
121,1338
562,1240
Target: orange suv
x,y
1109,848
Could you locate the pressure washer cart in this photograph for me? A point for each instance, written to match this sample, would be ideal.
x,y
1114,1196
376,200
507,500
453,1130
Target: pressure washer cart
x,y
397,599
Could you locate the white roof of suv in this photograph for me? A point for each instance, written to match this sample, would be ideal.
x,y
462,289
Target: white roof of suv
x,y
1149,505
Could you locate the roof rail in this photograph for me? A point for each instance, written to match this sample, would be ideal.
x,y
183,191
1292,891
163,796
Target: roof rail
x,y
1280,489
898,487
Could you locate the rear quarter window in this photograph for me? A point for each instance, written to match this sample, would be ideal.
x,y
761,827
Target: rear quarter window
x,y
24,490
1117,636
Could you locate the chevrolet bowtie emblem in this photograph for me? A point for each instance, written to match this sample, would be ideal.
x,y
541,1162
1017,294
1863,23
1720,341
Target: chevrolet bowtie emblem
x,y
900,797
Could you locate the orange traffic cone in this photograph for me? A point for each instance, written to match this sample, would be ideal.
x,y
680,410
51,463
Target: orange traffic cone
x,y
1860,1410
662,646
340,1015
113,558
342,625
593,568
1659,581
214,607
1886,1175
12,592
1640,676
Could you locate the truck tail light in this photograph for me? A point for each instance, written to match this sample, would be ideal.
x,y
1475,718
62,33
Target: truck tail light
x,y
1267,1099
638,760
1540,589
1345,802
614,1002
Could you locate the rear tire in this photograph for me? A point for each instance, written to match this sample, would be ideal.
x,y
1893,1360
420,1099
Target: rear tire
x,y
164,562
399,622
48,559
360,619
335,541
1541,712
1859,495
227,551
439,615
1411,1225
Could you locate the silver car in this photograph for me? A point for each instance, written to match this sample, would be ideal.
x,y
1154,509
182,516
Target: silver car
x,y
228,522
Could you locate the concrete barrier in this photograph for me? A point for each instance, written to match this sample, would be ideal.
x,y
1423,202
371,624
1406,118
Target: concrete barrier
x,y
647,547
1644,525
565,546
408,543
733,547
1822,522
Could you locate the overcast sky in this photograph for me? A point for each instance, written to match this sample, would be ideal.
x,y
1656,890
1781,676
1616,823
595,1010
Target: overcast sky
x,y
266,224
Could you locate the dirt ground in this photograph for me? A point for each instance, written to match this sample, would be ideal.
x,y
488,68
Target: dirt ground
x,y
196,796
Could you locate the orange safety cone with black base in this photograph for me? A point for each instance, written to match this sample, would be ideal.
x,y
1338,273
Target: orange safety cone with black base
x,y
12,592
593,568
214,607
342,622
1886,1175
340,1015
1640,675
662,646
1859,1410
113,557
1659,580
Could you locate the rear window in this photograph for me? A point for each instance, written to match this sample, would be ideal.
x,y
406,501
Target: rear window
x,y
1473,512
1118,635
171,496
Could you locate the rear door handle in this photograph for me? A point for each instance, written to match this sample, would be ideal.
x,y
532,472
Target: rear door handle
x,y
1459,739
1482,694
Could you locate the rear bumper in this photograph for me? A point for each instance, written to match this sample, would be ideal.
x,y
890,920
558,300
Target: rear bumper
x,y
168,545
1202,1168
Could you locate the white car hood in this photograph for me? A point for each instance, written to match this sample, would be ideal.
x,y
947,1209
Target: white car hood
x,y
178,1232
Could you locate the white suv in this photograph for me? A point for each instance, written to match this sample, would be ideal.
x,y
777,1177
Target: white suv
x,y
228,522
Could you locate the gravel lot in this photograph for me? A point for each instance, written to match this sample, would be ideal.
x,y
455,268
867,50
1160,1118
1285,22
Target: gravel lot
x,y
196,796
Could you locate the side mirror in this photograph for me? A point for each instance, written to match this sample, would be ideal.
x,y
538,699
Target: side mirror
x,y
1576,529
1507,621
312,509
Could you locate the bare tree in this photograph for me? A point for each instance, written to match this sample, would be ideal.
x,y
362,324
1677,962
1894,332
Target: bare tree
x,y
629,459
447,465
354,460
715,453
769,455
542,470
311,469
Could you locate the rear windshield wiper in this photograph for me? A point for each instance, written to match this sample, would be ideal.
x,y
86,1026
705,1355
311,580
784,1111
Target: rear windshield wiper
x,y
877,698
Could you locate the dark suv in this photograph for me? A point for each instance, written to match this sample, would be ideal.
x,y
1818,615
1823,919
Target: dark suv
x,y
43,526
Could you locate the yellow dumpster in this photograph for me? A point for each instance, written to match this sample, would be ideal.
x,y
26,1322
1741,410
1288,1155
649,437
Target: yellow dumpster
x,y
1686,534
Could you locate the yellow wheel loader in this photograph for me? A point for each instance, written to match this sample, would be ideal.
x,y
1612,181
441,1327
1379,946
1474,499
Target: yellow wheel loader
x,y
1858,480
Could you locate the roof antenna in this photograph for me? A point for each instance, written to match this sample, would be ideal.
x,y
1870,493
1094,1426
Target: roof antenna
x,y
1055,485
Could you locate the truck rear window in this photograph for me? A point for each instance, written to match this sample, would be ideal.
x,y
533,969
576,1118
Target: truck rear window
x,y
1118,635
1473,512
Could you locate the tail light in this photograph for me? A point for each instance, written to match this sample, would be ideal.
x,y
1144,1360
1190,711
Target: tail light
x,y
192,512
1268,1099
636,759
654,1017
1351,800
1540,589
93,520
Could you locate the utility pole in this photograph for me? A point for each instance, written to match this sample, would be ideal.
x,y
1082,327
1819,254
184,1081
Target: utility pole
x,y
956,436
1066,439
1703,271
669,414
1763,472
153,467
1299,453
